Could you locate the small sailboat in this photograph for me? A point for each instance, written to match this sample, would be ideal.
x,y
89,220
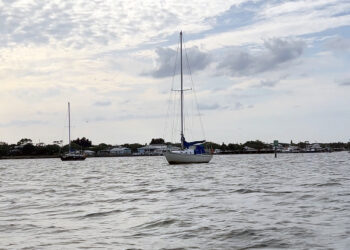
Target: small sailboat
x,y
72,155
190,152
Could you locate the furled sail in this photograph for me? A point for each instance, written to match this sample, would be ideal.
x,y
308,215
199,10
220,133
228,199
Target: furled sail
x,y
189,144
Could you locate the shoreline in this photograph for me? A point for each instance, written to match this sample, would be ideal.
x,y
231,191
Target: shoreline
x,y
22,157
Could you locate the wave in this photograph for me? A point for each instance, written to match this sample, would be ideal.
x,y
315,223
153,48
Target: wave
x,y
173,190
328,184
270,243
99,214
158,223
242,233
248,191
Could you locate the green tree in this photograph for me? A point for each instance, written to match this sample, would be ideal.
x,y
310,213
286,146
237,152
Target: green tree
x,y
157,141
256,144
28,149
74,147
24,141
83,142
223,147
4,149
301,145
235,147
212,145
101,146
52,149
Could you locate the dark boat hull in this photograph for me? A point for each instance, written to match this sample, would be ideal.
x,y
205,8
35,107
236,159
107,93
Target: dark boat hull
x,y
73,157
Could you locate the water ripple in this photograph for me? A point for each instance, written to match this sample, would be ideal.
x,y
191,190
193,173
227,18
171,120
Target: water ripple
x,y
298,201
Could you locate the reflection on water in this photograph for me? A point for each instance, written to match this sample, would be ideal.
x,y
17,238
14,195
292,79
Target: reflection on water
x,y
236,201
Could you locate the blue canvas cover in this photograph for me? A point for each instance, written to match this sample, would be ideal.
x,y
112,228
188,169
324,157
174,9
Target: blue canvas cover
x,y
199,150
189,144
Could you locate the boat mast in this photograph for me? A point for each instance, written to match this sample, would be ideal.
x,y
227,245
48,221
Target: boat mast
x,y
182,96
69,126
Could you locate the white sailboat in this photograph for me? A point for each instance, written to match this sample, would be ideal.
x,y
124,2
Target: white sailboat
x,y
190,152
72,155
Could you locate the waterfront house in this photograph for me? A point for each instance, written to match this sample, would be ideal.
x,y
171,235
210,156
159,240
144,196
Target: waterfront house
x,y
249,149
152,149
120,151
217,151
315,147
291,149
89,152
104,152
116,151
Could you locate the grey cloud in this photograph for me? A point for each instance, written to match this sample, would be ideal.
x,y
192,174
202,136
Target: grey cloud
x,y
238,105
103,103
345,83
209,106
37,94
267,83
338,44
41,113
167,57
125,117
276,52
216,106
22,123
271,83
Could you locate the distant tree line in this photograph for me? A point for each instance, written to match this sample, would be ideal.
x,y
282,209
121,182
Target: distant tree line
x,y
239,146
259,145
26,147
83,142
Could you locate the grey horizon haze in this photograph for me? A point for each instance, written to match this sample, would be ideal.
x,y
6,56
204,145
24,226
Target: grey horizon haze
x,y
262,70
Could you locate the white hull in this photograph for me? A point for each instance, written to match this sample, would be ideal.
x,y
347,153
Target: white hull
x,y
182,158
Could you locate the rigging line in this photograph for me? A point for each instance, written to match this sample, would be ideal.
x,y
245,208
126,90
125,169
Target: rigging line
x,y
174,95
194,92
63,134
191,128
170,95
174,116
193,118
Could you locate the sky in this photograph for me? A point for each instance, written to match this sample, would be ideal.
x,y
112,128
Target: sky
x,y
267,70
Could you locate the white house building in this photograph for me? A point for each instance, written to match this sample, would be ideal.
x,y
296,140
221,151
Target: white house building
x,y
152,149
120,151
89,152
249,149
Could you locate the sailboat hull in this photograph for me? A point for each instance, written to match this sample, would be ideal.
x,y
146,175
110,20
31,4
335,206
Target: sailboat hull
x,y
181,158
73,157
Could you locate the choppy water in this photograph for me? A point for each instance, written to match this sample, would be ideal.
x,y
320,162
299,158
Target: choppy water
x,y
298,201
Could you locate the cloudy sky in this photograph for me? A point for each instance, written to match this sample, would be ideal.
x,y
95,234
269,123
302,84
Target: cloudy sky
x,y
261,69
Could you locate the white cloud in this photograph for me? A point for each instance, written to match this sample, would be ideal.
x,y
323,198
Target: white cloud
x,y
298,22
119,24
96,53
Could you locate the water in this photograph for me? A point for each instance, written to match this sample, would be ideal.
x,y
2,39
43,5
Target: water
x,y
298,201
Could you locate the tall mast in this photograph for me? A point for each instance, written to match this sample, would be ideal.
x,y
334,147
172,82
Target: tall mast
x,y
182,95
69,126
